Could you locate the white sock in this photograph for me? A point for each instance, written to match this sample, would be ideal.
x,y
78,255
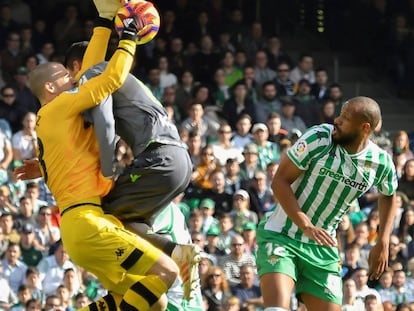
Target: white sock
x,y
274,309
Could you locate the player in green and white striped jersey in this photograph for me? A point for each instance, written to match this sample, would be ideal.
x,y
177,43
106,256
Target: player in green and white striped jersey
x,y
323,173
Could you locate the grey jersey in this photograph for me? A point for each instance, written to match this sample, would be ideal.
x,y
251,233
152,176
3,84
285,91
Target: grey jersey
x,y
140,119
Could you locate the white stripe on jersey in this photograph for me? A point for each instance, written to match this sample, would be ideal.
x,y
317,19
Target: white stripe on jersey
x,y
331,181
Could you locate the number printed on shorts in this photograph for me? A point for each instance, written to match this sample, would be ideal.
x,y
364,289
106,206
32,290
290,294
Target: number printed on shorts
x,y
41,160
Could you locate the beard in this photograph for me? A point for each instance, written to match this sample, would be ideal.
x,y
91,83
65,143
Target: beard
x,y
342,138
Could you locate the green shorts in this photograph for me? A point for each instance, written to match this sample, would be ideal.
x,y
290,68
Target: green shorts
x,y
315,269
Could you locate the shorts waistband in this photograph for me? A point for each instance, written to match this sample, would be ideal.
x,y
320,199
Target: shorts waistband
x,y
78,205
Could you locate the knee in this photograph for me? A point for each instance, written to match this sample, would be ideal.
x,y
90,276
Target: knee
x,y
166,269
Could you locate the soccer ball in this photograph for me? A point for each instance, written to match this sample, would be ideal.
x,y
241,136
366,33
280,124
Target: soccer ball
x,y
146,11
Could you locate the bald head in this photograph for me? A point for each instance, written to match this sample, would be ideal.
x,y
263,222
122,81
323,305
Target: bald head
x,y
42,74
367,108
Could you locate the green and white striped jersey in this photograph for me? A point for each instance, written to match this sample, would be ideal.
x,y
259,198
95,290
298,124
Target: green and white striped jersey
x,y
331,180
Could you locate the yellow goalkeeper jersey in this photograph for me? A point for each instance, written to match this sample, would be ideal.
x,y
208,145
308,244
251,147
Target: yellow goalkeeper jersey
x,y
68,148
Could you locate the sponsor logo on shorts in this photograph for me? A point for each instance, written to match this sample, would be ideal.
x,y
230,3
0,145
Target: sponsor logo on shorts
x,y
119,252
278,252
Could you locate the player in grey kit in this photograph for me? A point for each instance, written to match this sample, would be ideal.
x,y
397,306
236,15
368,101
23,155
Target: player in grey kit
x,y
161,168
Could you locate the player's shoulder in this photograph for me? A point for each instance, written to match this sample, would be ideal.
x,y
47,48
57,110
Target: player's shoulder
x,y
93,72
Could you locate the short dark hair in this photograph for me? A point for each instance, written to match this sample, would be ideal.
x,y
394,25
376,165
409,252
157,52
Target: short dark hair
x,y
75,52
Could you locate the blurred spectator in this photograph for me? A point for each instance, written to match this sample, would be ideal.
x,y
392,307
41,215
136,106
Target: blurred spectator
x,y
30,254
249,236
26,45
398,293
207,207
46,233
268,103
247,291
221,91
261,197
195,222
397,252
232,177
262,72
46,53
382,138
320,87
224,44
307,107
167,78
401,145
349,301
249,80
25,214
351,260
201,175
7,226
360,277
52,268
274,125
250,164
23,295
232,74
21,12
68,29
198,121
168,101
241,212
23,93
81,300
204,266
303,70
222,199
335,94
239,103
327,112
4,242
242,135
275,53
11,109
373,225
216,288
224,149
184,93
33,193
285,86
178,61
8,23
254,41
11,56
154,82
406,182
212,246
32,281
405,229
24,142
226,233
14,270
194,147
205,61
31,61
290,121
237,26
232,262
53,302
267,150
7,295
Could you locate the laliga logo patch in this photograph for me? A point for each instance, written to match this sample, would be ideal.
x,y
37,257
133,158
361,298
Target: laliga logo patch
x,y
300,147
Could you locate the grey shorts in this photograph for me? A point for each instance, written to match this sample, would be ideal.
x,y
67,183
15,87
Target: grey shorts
x,y
157,176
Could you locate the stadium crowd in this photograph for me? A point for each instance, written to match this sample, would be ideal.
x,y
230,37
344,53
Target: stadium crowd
x,y
239,101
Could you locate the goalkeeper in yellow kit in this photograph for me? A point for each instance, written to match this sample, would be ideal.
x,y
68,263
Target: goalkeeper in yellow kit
x,y
136,273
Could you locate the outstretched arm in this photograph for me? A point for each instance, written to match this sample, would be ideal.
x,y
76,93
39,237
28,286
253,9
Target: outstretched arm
x,y
378,256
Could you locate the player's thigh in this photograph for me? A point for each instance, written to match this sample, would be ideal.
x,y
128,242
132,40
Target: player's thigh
x,y
320,276
100,244
276,264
